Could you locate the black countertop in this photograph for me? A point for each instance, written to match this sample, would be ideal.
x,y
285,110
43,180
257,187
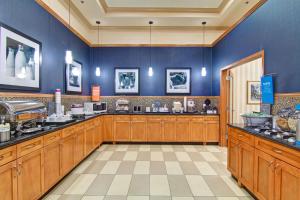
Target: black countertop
x,y
25,137
251,130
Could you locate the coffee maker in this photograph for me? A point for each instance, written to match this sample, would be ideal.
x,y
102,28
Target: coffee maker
x,y
191,106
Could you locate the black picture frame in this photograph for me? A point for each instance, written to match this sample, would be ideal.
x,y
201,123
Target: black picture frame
x,y
66,79
189,82
9,87
138,82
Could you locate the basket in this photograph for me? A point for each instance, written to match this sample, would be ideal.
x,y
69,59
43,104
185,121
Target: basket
x,y
255,120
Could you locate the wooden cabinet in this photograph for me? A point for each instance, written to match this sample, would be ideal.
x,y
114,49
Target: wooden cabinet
x,y
107,128
246,166
67,154
287,181
89,137
122,127
212,131
8,154
51,165
197,130
154,129
233,156
31,175
183,129
169,128
98,133
79,144
8,183
138,128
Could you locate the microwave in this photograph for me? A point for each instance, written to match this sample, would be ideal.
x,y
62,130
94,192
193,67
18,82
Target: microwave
x,y
95,107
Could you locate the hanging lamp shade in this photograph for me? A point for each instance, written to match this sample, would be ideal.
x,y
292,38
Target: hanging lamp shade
x,y
98,68
68,54
203,69
150,69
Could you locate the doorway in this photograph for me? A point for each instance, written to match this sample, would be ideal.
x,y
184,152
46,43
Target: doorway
x,y
235,79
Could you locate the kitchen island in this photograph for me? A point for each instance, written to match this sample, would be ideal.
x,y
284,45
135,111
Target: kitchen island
x,y
32,164
269,168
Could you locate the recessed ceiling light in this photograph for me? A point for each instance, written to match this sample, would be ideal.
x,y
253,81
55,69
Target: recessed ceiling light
x,y
246,2
82,2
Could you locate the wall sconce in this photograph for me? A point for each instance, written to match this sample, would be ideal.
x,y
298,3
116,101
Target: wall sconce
x,y
203,71
69,57
150,71
98,71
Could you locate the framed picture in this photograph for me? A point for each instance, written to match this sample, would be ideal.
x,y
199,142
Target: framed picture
x,y
127,80
253,92
178,81
20,60
74,77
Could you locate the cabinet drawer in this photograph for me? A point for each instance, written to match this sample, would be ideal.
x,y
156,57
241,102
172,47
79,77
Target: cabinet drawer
x,y
288,155
8,154
211,118
122,118
183,119
89,123
51,138
138,118
245,137
154,118
169,118
29,146
197,119
67,132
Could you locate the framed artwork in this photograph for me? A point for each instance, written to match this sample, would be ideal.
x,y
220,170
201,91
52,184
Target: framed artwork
x,y
178,81
74,78
127,81
20,60
253,92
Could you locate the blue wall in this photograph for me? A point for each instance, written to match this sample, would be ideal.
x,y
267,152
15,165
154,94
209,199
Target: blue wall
x,y
28,17
274,27
162,58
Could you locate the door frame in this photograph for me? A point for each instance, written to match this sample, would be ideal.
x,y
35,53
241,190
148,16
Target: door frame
x,y
225,91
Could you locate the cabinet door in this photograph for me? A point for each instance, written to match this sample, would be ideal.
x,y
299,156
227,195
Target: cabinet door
x,y
122,130
51,165
67,149
138,129
287,181
89,139
183,129
197,130
98,134
108,128
31,175
80,145
212,131
246,165
8,183
233,156
264,175
169,129
154,130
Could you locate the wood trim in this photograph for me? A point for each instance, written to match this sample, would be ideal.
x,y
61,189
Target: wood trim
x,y
162,97
153,45
245,16
295,94
65,23
38,95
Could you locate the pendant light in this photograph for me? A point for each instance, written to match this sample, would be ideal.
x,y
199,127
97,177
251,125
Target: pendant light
x,y
98,69
150,70
203,69
69,56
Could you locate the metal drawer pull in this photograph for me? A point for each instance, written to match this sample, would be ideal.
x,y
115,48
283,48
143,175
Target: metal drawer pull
x,y
277,151
30,146
271,163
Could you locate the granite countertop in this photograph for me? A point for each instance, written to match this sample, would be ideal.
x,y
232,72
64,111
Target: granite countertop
x,y
251,130
25,137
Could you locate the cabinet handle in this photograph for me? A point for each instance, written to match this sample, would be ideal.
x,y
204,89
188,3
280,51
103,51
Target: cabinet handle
x,y
277,151
19,169
240,135
1,157
271,163
30,146
277,165
52,138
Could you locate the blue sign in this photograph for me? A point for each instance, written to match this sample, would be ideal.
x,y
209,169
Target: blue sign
x,y
267,90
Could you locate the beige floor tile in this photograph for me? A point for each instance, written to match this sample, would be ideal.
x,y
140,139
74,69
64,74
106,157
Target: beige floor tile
x,y
120,185
212,148
220,168
142,167
105,155
138,198
70,197
158,168
198,186
218,186
160,198
100,185
159,185
182,198
227,198
92,198
205,168
157,156
52,197
144,156
179,186
111,167
115,198
130,156
190,148
82,167
173,168
126,167
65,184
95,167
183,156
209,157
205,198
117,156
81,184
169,156
140,185
93,156
195,156
167,148
189,168
144,148
102,147
122,148
221,156
234,187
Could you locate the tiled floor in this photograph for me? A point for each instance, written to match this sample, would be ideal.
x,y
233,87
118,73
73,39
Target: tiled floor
x,y
151,172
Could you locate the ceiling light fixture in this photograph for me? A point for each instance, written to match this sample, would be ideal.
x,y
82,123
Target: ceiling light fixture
x,y
98,69
69,56
203,69
150,70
